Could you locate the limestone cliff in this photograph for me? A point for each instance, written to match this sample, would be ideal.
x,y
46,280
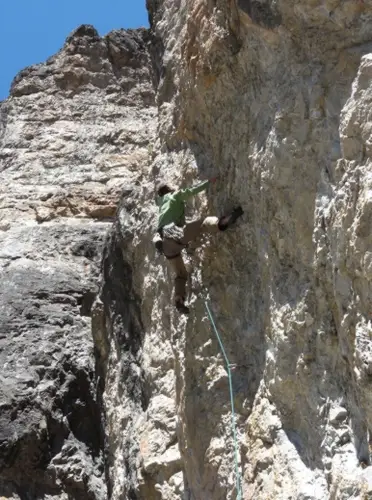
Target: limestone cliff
x,y
73,133
272,96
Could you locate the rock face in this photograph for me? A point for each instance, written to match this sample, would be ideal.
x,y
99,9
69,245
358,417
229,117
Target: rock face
x,y
72,134
273,97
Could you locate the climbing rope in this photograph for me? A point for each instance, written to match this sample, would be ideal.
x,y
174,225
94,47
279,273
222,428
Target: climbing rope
x,y
233,425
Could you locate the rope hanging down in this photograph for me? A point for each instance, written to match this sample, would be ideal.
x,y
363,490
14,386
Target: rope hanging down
x,y
233,425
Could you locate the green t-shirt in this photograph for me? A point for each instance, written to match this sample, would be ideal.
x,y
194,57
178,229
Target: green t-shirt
x,y
172,205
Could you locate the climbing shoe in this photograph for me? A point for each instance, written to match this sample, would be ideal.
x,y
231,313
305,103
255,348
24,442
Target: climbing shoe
x,y
228,220
181,308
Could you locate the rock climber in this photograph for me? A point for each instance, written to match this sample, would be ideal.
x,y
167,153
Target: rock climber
x,y
174,233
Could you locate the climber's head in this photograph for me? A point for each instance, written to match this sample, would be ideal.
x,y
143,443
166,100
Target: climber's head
x,y
163,188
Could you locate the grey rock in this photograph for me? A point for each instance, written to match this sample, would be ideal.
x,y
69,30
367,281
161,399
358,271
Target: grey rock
x,y
273,97
105,391
264,13
337,415
72,133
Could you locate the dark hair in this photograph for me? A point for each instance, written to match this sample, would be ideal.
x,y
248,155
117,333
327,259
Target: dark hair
x,y
163,189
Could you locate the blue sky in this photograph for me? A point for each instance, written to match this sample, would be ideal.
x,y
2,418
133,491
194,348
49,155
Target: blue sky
x,y
33,30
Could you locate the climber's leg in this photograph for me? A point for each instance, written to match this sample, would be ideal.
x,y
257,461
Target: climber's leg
x,y
172,251
193,229
210,225
177,266
171,248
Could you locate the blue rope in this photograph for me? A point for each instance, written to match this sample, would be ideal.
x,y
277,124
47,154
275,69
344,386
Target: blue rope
x,y
233,425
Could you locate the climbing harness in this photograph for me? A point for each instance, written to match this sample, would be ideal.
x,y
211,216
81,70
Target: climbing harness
x,y
233,425
173,232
